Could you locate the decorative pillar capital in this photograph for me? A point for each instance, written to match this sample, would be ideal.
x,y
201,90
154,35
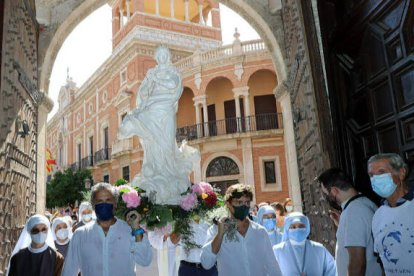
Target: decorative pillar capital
x,y
200,100
281,89
241,91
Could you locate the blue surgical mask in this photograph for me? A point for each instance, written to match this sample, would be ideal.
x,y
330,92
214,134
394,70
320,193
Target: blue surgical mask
x,y
39,238
104,211
383,185
269,224
298,235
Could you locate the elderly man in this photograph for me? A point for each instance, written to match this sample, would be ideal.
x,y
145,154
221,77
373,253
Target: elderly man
x,y
354,247
393,222
108,246
249,252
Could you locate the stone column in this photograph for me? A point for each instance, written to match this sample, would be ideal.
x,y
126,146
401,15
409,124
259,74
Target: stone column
x,y
200,12
244,93
128,2
187,16
205,117
172,8
198,120
202,100
121,17
44,108
283,96
238,115
215,18
157,7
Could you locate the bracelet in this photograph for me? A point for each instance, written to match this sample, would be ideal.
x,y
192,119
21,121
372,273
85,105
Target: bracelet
x,y
138,231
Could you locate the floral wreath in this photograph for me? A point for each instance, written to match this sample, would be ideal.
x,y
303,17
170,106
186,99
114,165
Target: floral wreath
x,y
198,202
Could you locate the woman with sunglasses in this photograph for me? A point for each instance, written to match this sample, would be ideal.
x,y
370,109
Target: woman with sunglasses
x,y
34,253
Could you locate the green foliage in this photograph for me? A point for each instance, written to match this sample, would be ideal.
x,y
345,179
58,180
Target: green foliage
x,y
66,187
120,182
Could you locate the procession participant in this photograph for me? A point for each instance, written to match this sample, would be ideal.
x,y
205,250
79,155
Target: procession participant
x,y
86,215
107,246
62,233
299,256
266,217
34,253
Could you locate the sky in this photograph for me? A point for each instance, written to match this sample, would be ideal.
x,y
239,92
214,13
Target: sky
x,y
89,45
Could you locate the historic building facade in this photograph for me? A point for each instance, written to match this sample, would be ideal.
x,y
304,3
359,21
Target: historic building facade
x,y
227,109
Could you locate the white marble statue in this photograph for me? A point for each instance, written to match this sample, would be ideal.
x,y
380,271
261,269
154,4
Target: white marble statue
x,y
166,168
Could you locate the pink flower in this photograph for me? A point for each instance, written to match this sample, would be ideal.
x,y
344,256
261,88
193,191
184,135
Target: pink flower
x,y
202,187
188,201
131,198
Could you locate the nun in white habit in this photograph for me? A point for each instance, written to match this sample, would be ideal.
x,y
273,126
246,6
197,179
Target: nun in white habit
x,y
297,255
266,216
62,233
34,253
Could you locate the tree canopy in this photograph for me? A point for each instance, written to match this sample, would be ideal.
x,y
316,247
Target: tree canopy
x,y
66,187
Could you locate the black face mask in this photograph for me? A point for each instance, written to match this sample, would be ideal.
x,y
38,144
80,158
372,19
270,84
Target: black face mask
x,y
241,212
332,202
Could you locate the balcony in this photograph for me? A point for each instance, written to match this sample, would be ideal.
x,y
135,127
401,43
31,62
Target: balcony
x,y
231,126
121,147
75,166
102,155
87,162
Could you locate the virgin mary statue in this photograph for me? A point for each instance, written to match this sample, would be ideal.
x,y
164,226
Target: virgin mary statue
x,y
166,168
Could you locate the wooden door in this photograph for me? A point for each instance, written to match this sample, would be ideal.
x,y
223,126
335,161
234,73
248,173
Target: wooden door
x,y
266,112
369,49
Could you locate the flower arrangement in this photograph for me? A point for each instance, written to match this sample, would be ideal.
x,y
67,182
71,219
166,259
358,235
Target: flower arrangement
x,y
195,203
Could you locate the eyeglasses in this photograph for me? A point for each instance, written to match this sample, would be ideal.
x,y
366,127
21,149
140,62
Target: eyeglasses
x,y
37,230
237,202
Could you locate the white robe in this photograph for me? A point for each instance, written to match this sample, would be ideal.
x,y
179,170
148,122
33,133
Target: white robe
x,y
318,261
92,253
250,256
167,254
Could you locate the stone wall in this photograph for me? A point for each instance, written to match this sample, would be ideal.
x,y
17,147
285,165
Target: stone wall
x,y
304,86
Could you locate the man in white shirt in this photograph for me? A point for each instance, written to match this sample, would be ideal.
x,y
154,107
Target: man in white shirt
x,y
249,252
393,222
108,246
354,252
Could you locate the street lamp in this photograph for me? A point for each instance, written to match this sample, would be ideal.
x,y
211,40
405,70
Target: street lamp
x,y
87,182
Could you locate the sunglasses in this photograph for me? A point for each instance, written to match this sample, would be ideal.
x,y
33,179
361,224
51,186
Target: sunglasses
x,y
37,230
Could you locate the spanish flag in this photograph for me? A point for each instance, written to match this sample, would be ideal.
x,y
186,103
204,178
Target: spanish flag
x,y
49,161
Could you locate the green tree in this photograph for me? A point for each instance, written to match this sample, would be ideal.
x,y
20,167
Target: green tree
x,y
67,187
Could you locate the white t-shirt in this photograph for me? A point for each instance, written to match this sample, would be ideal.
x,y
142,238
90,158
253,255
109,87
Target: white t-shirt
x,y
354,229
393,231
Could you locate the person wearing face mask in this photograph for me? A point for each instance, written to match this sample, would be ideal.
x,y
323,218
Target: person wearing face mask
x,y
288,205
299,256
393,222
62,233
109,245
250,253
34,253
266,216
86,215
354,253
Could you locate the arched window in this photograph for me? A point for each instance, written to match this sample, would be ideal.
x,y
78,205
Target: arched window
x,y
222,172
222,166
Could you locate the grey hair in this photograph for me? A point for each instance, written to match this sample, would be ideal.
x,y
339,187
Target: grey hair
x,y
394,159
103,186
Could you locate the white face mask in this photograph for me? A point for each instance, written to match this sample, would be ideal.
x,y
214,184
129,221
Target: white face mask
x,y
39,238
289,208
87,218
62,234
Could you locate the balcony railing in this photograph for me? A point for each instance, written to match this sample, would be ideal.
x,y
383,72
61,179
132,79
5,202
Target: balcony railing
x,y
87,161
75,166
122,146
230,125
102,155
